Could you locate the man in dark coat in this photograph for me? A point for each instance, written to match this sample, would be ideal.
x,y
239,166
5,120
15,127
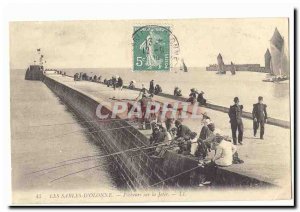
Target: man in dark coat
x,y
182,130
201,99
235,115
157,136
151,87
260,117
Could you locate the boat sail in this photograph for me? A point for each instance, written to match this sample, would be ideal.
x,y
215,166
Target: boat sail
x,y
183,66
279,58
232,68
279,62
221,65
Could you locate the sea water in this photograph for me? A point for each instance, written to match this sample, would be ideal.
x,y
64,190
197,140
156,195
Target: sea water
x,y
218,89
44,134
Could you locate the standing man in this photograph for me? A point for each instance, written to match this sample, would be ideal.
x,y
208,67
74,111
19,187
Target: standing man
x,y
235,115
260,117
151,87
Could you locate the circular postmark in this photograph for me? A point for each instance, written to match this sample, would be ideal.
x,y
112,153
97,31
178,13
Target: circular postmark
x,y
155,48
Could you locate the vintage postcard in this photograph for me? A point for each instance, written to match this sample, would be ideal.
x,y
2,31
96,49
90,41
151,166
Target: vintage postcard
x,y
140,111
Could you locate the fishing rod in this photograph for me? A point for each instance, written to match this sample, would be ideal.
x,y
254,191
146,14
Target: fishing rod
x,y
108,155
149,186
78,122
98,156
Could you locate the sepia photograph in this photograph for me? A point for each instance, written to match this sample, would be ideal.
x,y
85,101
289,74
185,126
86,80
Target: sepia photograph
x,y
180,110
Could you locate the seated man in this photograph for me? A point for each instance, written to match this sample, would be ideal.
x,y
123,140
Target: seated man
x,y
185,144
201,99
193,96
157,136
224,151
157,89
206,137
158,140
182,130
131,85
177,91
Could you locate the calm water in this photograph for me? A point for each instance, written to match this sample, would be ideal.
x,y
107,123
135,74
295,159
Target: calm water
x,y
219,89
36,147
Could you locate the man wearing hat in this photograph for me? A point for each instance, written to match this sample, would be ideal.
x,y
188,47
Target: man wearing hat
x,y
201,99
224,151
260,116
193,96
182,130
235,115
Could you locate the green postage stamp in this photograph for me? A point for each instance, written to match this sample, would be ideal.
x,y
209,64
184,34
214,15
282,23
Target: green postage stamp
x,y
151,48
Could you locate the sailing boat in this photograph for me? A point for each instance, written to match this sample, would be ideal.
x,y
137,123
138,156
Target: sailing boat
x,y
279,60
232,69
183,66
221,65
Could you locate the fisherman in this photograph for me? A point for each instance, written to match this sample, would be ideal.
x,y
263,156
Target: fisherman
x,y
157,136
94,78
84,76
182,130
193,96
205,139
224,151
131,84
168,123
120,83
114,82
177,91
76,77
235,115
157,89
143,93
260,117
185,143
201,99
151,87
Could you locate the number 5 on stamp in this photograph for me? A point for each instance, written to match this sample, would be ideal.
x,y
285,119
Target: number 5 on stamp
x,y
151,48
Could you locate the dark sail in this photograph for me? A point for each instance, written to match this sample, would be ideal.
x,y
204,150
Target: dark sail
x,y
184,67
221,65
279,58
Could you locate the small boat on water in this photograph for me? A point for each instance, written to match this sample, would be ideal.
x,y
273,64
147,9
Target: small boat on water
x,y
278,78
278,59
221,65
183,66
232,69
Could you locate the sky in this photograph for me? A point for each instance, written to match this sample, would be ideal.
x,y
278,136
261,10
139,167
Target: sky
x,y
108,44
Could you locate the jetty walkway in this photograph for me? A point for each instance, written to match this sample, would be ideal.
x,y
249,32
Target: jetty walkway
x,y
267,160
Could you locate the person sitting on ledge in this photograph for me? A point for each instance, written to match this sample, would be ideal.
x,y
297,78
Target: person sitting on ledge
x,y
120,83
157,136
177,91
157,89
193,96
99,79
95,78
201,99
224,151
131,84
185,143
205,139
182,130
